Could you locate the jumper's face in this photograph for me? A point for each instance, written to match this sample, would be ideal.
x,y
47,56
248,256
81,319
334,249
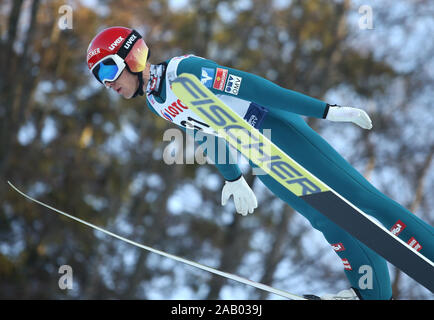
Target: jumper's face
x,y
126,84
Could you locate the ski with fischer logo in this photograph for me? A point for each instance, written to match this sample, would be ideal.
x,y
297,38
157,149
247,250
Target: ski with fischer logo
x,y
296,179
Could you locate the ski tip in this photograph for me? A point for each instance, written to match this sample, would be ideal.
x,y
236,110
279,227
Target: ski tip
x,y
15,188
11,185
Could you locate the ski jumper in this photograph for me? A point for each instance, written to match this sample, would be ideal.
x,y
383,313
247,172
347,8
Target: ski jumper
x,y
266,105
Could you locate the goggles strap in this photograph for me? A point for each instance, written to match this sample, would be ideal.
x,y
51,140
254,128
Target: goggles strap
x,y
128,44
139,91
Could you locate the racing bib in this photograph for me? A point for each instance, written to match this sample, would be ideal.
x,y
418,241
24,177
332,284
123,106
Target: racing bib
x,y
173,110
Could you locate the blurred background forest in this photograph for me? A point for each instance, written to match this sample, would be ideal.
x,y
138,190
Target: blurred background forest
x,y
69,142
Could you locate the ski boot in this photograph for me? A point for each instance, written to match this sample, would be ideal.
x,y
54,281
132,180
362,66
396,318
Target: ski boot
x,y
350,294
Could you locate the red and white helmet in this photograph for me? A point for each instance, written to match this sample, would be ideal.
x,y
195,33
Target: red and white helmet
x,y
113,49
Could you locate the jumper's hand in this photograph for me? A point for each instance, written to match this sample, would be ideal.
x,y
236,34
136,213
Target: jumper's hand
x,y
348,114
244,198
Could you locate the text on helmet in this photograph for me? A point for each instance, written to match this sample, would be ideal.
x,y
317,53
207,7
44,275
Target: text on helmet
x,y
116,43
130,41
93,53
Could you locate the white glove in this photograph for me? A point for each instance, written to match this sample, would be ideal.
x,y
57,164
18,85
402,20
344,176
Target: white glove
x,y
244,198
348,114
